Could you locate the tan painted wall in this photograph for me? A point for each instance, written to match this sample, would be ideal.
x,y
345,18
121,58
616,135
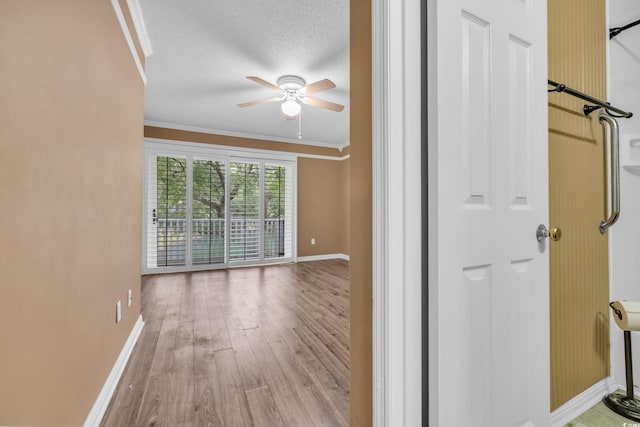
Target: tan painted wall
x,y
71,114
579,274
323,187
360,266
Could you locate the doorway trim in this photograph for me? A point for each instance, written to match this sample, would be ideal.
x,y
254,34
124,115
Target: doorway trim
x,y
396,208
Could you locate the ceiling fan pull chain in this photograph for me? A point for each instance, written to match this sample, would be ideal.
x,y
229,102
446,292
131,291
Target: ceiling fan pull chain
x,y
300,125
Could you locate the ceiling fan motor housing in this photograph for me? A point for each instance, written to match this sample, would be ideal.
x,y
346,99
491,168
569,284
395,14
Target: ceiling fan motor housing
x,y
291,83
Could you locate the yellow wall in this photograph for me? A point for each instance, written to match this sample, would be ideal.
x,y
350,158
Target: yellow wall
x,y
579,285
71,114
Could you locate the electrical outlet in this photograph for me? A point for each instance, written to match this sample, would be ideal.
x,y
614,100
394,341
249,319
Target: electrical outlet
x,y
313,241
118,311
129,298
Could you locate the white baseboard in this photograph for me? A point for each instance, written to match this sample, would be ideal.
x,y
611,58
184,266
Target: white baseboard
x,y
102,402
582,402
322,257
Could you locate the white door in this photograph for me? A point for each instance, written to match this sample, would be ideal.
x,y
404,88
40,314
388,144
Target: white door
x,y
489,360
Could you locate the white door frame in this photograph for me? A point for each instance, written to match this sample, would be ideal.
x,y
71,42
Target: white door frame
x,y
397,193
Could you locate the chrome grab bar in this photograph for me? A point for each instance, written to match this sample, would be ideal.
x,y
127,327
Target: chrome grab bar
x,y
614,170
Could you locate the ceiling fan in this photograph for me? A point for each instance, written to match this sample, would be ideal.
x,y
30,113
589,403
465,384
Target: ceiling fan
x,y
293,90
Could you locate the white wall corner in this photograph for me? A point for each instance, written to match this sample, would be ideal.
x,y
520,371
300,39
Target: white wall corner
x,y
141,29
102,402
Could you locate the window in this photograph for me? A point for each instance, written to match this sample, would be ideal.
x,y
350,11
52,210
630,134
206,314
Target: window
x,y
277,216
244,211
208,212
208,208
167,194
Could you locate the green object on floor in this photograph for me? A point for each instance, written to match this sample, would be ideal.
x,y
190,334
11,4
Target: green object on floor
x,y
599,416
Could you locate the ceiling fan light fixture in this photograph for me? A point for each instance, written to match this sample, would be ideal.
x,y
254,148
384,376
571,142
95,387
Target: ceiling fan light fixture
x,y
293,92
290,107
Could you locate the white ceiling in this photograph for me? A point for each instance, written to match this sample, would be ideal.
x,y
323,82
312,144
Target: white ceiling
x,y
204,49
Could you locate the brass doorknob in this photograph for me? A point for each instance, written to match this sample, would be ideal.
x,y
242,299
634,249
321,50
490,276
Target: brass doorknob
x,y
554,234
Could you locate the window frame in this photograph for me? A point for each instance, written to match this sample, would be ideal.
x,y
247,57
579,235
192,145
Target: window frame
x,y
228,154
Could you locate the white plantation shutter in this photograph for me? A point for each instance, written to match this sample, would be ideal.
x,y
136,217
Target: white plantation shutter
x,y
150,213
278,210
208,212
244,211
166,208
289,217
171,211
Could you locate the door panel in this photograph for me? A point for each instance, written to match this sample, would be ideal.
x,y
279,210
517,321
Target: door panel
x,y
493,325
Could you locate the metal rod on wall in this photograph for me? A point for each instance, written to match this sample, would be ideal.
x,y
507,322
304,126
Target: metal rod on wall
x,y
587,109
614,170
617,30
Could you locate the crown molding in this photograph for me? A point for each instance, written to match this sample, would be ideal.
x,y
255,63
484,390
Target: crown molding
x,y
127,35
321,157
190,147
210,131
141,29
232,150
344,145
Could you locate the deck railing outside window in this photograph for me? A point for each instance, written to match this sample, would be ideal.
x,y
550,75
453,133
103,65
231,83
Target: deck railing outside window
x,y
208,239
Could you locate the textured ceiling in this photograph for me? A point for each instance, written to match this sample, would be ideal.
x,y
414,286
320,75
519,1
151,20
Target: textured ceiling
x,y
204,49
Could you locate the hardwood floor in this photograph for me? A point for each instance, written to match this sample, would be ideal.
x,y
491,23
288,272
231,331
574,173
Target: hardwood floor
x,y
254,346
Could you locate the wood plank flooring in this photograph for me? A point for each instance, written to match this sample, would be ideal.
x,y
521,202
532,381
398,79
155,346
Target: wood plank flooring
x,y
254,346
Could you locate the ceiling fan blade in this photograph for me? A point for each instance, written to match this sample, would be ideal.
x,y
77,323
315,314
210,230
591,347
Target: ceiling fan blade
x,y
262,101
265,83
290,117
318,86
323,104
